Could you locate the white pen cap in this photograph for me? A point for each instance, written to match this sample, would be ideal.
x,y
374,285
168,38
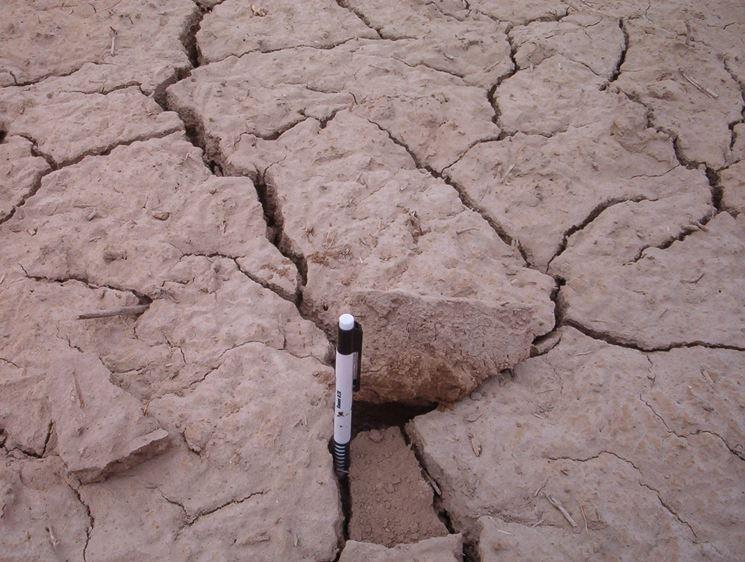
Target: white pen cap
x,y
346,322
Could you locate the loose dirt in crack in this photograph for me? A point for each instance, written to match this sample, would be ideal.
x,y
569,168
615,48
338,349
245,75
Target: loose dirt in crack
x,y
391,502
388,498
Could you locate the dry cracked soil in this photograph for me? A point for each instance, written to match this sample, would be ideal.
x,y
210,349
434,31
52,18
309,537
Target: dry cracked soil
x,y
536,209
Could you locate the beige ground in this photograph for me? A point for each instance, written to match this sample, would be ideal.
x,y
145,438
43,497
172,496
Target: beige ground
x,y
536,208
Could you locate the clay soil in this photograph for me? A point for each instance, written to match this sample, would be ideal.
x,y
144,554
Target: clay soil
x,y
536,209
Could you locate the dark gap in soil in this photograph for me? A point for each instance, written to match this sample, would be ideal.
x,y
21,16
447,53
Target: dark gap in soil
x,y
346,500
189,36
215,168
193,136
367,415
622,57
275,227
469,547
3,133
716,188
159,94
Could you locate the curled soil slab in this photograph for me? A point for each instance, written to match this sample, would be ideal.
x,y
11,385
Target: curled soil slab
x,y
96,428
391,502
438,549
610,474
261,355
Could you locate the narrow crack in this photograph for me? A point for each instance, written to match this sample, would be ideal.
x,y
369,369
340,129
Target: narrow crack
x,y
669,509
621,341
196,133
327,47
491,94
50,429
91,519
592,215
36,152
141,297
109,148
54,166
33,190
656,492
685,231
345,4
52,75
739,454
622,56
192,519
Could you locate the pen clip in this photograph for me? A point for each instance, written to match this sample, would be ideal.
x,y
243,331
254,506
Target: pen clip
x,y
357,346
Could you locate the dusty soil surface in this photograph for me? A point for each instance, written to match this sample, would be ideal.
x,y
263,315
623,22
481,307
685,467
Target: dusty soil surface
x,y
536,209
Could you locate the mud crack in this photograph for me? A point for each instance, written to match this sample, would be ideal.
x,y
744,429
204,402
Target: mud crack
x,y
344,4
91,519
631,344
462,195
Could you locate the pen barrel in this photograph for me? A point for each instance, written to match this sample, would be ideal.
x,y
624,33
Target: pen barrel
x,y
345,365
348,358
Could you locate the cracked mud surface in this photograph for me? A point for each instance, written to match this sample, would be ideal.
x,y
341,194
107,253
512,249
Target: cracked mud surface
x,y
535,208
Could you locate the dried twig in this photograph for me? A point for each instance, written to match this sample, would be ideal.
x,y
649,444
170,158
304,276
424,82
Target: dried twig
x,y
553,501
78,392
432,483
475,444
259,12
52,538
582,509
113,41
123,311
698,86
538,491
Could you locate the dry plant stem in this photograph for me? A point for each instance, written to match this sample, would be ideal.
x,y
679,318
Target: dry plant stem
x,y
699,86
553,501
123,311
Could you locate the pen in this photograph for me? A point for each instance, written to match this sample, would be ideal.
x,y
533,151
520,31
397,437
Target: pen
x,y
348,360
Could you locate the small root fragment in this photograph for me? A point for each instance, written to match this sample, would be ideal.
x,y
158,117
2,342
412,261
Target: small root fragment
x,y
112,51
698,86
557,504
123,311
475,444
